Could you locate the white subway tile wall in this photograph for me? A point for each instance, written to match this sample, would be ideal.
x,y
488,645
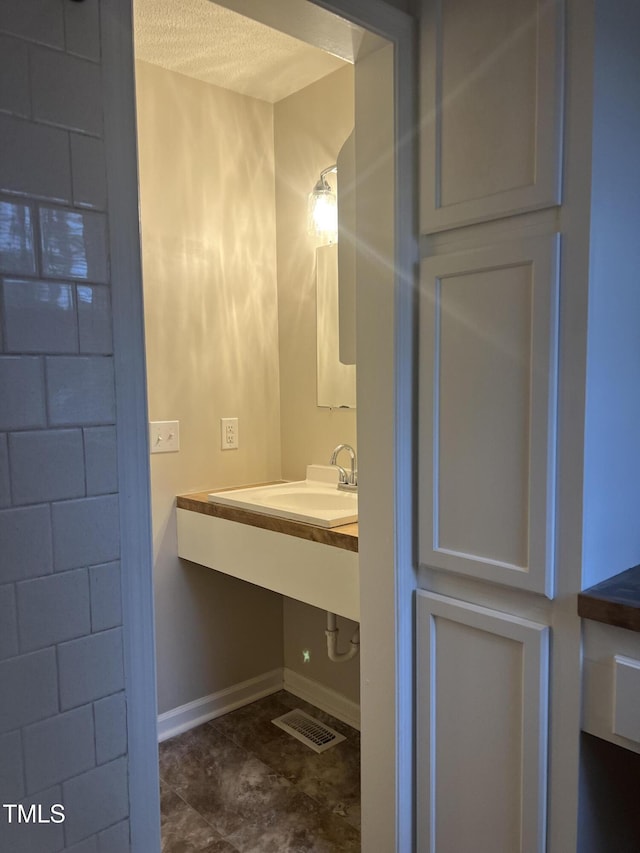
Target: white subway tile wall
x,y
94,319
110,716
41,625
37,21
40,316
82,30
17,253
11,775
96,800
29,689
63,734
54,75
5,491
100,460
106,602
8,625
115,839
80,391
26,550
46,465
14,76
58,748
97,518
88,179
90,668
34,159
89,845
29,837
73,244
22,393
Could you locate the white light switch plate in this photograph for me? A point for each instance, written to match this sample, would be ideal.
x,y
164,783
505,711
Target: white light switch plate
x,y
164,436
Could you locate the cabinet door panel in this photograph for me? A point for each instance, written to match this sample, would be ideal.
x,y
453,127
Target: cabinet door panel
x,y
488,361
482,729
491,109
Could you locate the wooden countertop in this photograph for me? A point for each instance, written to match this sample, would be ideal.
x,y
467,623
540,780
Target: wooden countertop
x,y
615,601
345,537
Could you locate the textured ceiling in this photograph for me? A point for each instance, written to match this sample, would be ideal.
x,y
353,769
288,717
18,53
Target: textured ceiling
x,y
200,39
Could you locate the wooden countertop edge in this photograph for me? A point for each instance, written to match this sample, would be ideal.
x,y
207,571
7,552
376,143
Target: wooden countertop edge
x,y
345,537
614,601
609,612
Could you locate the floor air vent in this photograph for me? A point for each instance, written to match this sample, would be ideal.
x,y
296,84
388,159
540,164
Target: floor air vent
x,y
308,730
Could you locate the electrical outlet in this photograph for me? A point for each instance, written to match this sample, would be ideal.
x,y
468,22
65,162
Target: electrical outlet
x,y
229,433
164,436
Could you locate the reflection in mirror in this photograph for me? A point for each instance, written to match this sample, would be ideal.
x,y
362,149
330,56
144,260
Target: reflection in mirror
x,y
336,381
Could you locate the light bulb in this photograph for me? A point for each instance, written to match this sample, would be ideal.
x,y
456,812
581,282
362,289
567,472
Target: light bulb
x,y
323,213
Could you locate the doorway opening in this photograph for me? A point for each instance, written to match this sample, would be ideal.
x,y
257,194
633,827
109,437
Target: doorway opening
x,y
380,394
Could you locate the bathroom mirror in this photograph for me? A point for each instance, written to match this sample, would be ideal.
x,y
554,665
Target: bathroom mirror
x,y
336,381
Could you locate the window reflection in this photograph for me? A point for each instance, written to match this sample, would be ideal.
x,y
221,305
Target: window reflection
x,y
16,237
85,294
63,243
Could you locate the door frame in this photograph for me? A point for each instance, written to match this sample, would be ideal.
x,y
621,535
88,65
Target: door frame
x,y
387,673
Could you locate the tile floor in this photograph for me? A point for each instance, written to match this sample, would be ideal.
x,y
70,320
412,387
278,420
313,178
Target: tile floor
x,y
239,783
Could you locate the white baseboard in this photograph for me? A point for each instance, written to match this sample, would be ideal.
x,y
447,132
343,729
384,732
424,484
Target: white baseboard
x,y
199,711
193,714
322,697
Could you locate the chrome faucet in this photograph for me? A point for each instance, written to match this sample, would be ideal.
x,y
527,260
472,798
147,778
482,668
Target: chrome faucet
x,y
346,482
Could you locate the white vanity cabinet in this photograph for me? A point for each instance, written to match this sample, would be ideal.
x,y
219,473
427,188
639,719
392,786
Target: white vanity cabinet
x,y
482,723
611,684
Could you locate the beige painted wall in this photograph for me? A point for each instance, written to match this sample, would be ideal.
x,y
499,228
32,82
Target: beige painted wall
x,y
208,245
304,628
225,338
310,127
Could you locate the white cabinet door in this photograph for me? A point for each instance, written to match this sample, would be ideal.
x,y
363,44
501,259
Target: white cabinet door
x,y
488,365
491,109
481,729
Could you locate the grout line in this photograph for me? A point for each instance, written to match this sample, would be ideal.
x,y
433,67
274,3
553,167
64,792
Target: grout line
x,y
52,540
95,734
71,169
27,198
44,374
19,629
30,79
64,31
202,817
57,659
24,763
3,325
84,460
9,475
34,212
91,597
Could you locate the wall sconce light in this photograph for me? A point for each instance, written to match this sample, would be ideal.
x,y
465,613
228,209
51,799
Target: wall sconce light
x,y
322,209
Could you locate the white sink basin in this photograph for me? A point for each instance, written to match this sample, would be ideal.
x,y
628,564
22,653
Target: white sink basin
x,y
316,500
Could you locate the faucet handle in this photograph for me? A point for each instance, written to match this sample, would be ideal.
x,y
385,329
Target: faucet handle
x,y
343,477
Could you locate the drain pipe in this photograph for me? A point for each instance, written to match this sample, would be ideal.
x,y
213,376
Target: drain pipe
x,y
332,641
